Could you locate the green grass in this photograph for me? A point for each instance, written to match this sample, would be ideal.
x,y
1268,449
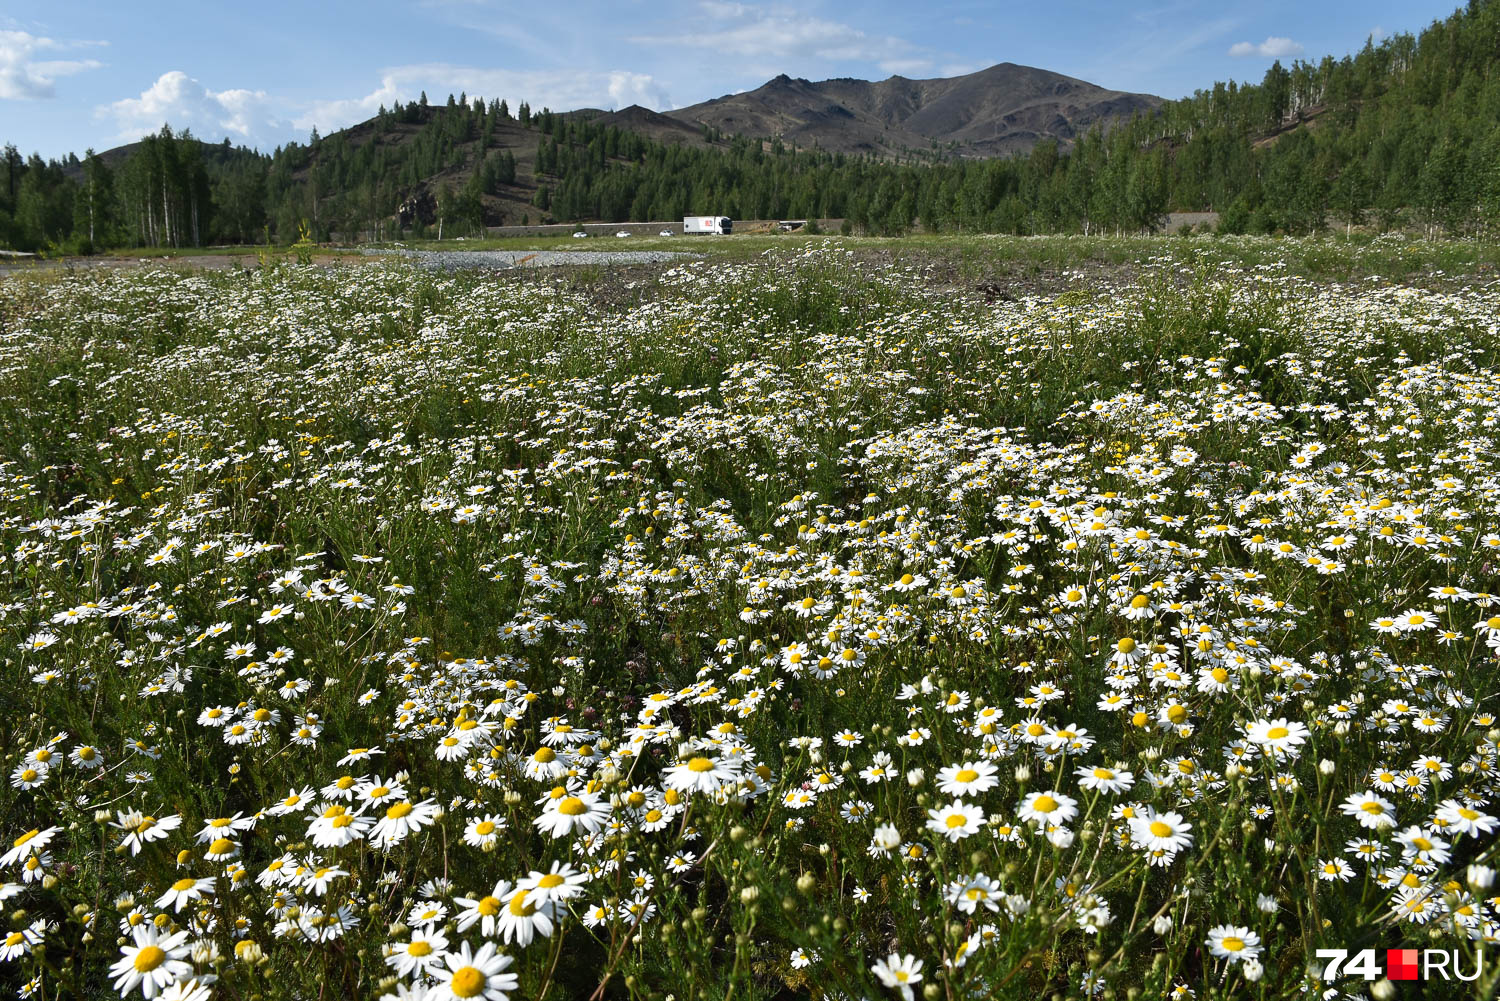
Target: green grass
x,y
604,527
1361,256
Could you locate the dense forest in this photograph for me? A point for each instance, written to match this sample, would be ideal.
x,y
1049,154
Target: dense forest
x,y
1405,133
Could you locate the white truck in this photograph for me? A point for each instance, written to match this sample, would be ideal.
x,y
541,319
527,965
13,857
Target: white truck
x,y
721,225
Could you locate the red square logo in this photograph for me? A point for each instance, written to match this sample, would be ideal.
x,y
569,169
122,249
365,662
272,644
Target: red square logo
x,y
1401,964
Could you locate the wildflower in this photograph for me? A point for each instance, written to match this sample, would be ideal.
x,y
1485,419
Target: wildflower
x,y
465,974
185,891
151,961
899,972
1278,736
700,774
32,842
421,955
527,914
1370,810
1104,779
971,778
402,819
1166,832
1232,942
1048,808
567,813
140,829
955,821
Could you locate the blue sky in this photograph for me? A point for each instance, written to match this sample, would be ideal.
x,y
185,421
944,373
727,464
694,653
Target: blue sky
x,y
75,75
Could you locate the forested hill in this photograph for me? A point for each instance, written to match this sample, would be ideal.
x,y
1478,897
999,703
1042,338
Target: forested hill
x,y
1404,133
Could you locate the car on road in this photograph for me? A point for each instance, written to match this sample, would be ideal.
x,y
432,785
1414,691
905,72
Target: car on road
x,y
623,233
666,232
580,236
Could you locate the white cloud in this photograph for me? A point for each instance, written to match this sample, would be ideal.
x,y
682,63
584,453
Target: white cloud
x,y
784,35
561,90
23,76
1273,47
182,101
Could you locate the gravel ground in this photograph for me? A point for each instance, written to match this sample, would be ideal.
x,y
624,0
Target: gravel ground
x,y
453,260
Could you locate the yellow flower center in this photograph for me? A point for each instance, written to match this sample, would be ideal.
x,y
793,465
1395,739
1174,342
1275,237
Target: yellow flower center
x,y
184,884
468,982
398,811
572,807
550,880
1278,732
419,948
149,958
700,765
967,775
485,828
1160,829
1233,944
1044,804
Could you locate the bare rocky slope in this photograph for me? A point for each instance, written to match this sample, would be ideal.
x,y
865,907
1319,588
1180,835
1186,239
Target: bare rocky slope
x,y
993,112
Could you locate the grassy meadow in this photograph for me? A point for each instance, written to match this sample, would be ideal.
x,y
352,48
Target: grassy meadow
x,y
953,618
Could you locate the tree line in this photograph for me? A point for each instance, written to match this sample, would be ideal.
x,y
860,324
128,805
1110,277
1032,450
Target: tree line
x,y
1404,133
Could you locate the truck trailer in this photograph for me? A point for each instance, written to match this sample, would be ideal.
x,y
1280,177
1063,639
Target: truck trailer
x,y
720,225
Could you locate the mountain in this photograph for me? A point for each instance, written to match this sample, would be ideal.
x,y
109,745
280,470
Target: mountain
x,y
994,112
652,125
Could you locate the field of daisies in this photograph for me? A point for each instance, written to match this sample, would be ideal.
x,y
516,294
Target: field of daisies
x,y
796,627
